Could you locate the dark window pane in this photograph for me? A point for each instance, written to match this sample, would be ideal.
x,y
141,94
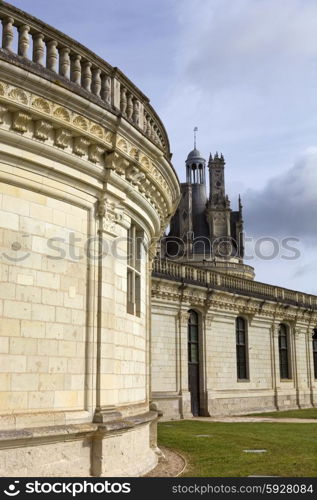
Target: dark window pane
x,y
242,372
193,333
283,351
194,353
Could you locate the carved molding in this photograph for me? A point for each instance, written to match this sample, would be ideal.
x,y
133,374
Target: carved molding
x,y
81,145
42,129
3,110
96,153
170,292
62,138
63,128
111,215
21,121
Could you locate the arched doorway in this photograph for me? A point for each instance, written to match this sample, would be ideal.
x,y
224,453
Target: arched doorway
x,y
193,361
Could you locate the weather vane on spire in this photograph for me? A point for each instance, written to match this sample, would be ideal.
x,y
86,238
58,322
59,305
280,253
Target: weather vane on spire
x,y
195,130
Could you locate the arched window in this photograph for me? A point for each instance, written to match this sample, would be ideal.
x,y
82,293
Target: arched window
x,y
315,351
241,348
283,346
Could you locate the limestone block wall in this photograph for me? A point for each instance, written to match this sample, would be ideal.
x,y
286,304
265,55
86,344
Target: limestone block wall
x,y
43,298
164,345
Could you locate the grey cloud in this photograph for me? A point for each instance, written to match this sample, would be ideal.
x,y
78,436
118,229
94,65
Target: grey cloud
x,y
287,205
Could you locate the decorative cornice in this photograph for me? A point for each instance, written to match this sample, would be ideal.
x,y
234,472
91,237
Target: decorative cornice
x,y
42,119
193,296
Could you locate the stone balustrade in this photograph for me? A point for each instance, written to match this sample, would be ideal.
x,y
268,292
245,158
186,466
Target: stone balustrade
x,y
203,277
44,50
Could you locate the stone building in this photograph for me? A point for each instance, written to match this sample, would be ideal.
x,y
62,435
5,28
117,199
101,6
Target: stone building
x,y
86,186
223,343
87,189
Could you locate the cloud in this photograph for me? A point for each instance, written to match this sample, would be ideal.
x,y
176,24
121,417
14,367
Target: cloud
x,y
245,73
287,205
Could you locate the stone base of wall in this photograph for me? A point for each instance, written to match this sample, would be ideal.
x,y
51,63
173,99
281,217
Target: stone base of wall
x,y
169,407
178,407
113,449
240,405
173,406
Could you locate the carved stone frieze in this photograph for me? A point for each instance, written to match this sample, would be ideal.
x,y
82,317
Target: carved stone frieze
x,y
42,129
43,118
164,290
116,162
111,215
3,110
96,153
81,145
21,121
62,137
134,175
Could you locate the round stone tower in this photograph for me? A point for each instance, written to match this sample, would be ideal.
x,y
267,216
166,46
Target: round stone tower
x,y
86,187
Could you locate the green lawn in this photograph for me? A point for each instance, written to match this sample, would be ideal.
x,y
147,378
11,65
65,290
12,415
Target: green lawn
x,y
306,413
291,448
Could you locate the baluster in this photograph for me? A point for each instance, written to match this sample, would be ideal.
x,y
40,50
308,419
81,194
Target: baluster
x,y
136,111
106,89
86,76
7,33
155,134
96,81
144,124
130,106
150,130
64,62
24,40
51,56
38,48
123,101
75,69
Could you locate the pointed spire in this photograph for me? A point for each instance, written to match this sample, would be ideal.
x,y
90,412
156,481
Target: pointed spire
x,y
240,204
216,155
195,130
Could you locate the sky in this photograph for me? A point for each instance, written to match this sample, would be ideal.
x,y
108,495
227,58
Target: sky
x,y
244,72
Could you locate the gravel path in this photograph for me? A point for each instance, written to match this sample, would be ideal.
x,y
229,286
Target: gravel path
x,y
257,419
170,466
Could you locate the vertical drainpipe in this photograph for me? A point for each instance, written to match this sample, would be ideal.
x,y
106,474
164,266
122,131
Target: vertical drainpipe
x,y
295,334
273,364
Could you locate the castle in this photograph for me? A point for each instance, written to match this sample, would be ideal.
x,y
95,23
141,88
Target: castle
x,y
88,359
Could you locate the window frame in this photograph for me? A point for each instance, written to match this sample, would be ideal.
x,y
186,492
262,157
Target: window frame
x,y
190,342
314,348
134,253
284,352
242,347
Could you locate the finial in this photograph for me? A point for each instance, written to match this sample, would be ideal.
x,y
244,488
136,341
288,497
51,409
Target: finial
x,y
210,157
240,203
221,157
195,130
216,155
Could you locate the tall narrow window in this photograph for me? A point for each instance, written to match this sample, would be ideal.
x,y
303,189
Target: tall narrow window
x,y
193,361
283,345
193,337
241,348
315,351
134,271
